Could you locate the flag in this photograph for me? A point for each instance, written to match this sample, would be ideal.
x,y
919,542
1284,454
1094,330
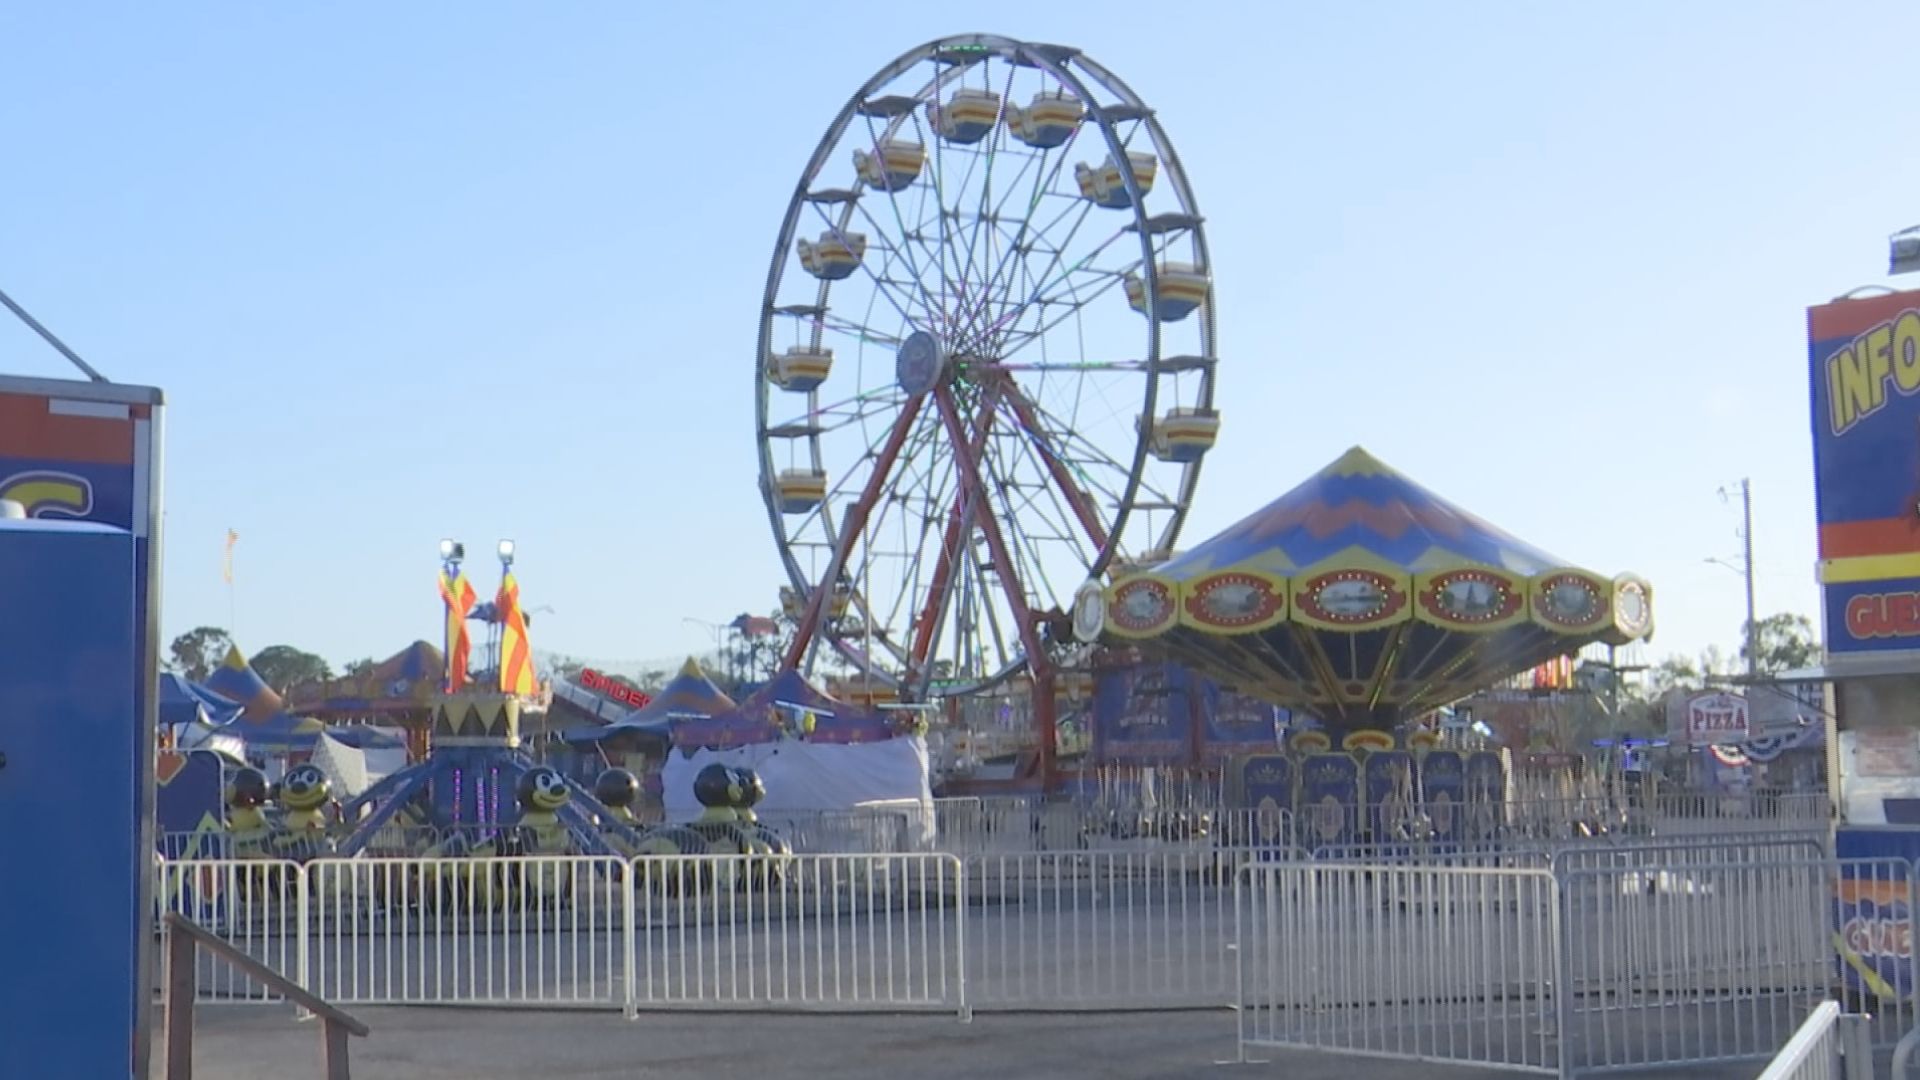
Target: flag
x,y
516,653
458,595
226,560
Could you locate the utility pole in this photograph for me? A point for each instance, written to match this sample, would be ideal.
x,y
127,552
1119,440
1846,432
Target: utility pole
x,y
1746,570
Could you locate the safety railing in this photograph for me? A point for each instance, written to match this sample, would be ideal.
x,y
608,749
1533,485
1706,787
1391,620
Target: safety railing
x,y
1587,957
254,905
1830,1045
1101,928
812,932
185,942
1455,964
537,931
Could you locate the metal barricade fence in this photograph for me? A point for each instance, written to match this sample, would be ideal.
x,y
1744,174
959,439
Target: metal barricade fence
x,y
1455,964
1674,958
253,903
853,932
1101,929
546,931
1822,1049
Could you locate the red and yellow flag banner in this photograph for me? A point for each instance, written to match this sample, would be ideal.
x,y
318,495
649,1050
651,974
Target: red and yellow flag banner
x,y
460,599
516,652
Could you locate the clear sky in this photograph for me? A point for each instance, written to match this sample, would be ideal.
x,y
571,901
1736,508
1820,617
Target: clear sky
x,y
485,269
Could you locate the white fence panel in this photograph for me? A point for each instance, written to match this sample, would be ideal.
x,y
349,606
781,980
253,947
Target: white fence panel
x,y
1454,964
253,904
547,931
852,932
1687,957
1101,929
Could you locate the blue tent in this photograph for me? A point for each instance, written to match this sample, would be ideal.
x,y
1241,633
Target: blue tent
x,y
183,702
689,695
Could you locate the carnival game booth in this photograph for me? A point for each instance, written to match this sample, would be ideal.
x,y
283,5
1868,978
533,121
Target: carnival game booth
x,y
837,777
1365,601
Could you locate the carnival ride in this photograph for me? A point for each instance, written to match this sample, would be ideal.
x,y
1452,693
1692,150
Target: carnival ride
x,y
1364,601
985,366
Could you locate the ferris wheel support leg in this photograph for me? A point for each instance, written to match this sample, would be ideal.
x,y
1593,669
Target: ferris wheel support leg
x,y
851,529
926,633
1044,721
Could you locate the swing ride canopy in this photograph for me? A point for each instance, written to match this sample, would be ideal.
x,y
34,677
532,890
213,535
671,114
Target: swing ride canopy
x,y
1362,598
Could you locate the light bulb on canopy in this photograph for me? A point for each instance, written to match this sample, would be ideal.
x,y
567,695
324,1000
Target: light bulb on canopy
x,y
506,552
452,551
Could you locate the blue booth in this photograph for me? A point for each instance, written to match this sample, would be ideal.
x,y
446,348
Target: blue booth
x,y
74,787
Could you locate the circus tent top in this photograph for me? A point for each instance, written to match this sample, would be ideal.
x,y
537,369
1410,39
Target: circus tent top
x,y
689,695
1361,597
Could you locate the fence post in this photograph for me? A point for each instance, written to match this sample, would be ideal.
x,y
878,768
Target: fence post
x,y
1561,976
302,937
1238,945
964,897
630,945
179,1005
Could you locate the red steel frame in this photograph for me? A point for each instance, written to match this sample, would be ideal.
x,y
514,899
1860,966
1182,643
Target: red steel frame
x,y
971,504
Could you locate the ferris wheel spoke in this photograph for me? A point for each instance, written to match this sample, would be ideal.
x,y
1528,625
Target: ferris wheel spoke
x,y
936,312
1077,500
851,529
900,304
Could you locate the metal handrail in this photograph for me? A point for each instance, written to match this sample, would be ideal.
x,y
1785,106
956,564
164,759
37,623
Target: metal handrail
x,y
184,937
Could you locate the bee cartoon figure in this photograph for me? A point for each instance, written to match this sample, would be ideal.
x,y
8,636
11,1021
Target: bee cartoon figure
x,y
247,828
618,790
304,792
542,793
771,849
708,835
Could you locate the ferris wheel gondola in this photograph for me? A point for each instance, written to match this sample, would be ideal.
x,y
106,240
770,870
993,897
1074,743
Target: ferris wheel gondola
x,y
985,367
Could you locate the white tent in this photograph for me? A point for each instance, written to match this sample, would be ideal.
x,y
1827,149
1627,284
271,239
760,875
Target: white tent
x,y
807,778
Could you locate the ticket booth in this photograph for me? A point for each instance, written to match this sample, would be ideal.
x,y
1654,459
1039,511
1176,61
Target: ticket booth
x,y
70,999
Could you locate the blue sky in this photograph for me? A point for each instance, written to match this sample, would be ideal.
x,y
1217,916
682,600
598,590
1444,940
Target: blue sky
x,y
489,269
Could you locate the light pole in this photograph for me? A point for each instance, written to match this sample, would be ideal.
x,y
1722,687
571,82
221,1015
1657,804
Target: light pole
x,y
713,628
1745,570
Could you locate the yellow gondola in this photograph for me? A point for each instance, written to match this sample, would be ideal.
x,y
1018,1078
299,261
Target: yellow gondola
x,y
1106,187
834,256
1182,288
792,604
967,116
1183,435
1048,121
800,369
839,600
800,490
894,164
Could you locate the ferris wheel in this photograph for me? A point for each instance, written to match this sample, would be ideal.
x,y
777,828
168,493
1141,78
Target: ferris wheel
x,y
985,369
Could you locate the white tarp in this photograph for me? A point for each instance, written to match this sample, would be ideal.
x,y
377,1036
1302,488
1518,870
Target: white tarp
x,y
354,771
808,777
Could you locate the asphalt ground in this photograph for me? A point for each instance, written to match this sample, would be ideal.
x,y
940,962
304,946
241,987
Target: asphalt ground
x,y
268,1043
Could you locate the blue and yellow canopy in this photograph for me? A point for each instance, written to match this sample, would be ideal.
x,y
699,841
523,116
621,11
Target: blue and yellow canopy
x,y
1360,596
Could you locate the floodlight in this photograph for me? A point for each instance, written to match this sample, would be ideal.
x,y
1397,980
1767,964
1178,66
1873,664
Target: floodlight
x,y
1903,251
446,549
506,552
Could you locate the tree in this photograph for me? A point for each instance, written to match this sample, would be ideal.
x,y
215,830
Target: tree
x,y
194,654
561,666
358,669
284,667
1782,642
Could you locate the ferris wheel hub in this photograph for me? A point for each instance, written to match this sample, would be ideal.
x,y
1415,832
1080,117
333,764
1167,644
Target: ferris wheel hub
x,y
921,361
